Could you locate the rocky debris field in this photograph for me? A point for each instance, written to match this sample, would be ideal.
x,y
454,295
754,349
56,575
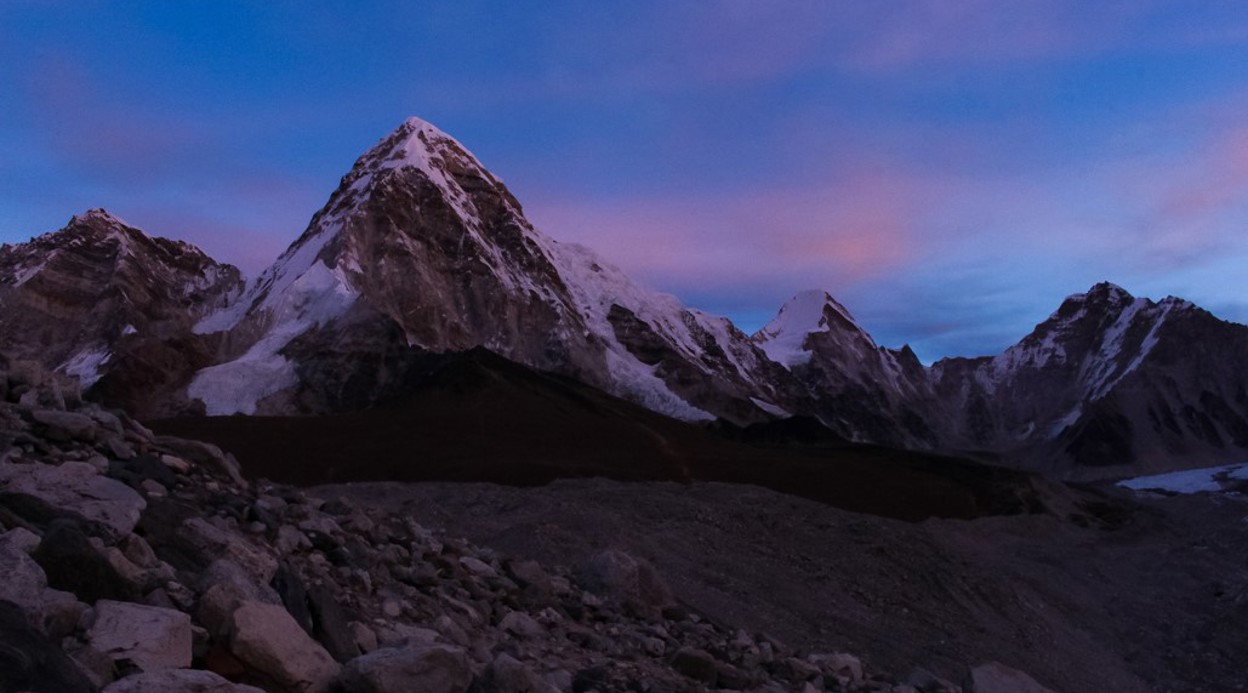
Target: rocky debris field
x,y
136,563
1104,592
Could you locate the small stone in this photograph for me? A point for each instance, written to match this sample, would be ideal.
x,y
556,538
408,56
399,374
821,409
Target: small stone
x,y
521,625
153,488
176,463
478,567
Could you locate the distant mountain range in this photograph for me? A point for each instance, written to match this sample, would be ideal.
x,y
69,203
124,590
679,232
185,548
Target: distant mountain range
x,y
422,250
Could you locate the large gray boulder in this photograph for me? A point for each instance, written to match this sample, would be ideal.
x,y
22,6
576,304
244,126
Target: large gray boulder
x,y
415,667
150,637
78,488
267,639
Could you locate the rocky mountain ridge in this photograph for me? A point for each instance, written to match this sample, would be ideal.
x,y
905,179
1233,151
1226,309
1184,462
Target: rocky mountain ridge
x,y
422,250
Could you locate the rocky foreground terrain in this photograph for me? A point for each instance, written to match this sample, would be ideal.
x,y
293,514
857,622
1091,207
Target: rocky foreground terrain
x,y
134,562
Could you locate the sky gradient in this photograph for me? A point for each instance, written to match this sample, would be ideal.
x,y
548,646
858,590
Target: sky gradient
x,y
949,170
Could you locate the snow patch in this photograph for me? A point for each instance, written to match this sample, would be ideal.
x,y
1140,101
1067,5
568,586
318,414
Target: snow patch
x,y
85,365
1207,480
314,298
771,408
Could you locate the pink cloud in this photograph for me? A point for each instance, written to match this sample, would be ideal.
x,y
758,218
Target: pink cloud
x,y
852,228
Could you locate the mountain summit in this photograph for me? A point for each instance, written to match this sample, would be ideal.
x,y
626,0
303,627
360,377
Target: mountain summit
x,y
421,247
100,297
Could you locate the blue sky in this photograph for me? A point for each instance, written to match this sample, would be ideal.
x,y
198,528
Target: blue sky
x,y
949,170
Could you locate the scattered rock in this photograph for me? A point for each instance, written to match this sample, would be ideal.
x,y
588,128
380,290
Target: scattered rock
x,y
425,668
78,487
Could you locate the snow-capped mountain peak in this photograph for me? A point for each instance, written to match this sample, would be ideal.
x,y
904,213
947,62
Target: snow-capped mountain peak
x,y
784,339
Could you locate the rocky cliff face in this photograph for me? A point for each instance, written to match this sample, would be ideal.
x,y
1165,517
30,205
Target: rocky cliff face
x,y
422,247
102,301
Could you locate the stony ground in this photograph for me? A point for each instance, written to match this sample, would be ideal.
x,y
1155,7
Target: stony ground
x,y
1138,596
137,563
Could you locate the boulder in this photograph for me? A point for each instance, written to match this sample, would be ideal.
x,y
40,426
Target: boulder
x,y
415,667
177,681
65,425
995,677
629,582
151,638
29,662
21,539
508,675
77,487
74,564
267,639
209,543
22,581
697,664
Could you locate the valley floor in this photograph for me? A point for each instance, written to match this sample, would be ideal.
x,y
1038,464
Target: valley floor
x,y
1153,599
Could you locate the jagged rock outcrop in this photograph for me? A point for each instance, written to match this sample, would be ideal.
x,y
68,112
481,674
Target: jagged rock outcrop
x,y
103,301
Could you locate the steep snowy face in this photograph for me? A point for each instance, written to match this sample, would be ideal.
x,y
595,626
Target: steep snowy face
x,y
420,240
98,292
859,389
785,339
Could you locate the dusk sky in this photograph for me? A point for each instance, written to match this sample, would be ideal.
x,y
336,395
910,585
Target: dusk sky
x,y
948,170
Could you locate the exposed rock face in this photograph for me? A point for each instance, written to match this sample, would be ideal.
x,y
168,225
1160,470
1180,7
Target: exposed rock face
x,y
1109,384
421,246
102,301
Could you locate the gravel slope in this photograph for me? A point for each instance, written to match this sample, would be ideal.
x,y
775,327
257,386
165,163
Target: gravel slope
x,y
1155,600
